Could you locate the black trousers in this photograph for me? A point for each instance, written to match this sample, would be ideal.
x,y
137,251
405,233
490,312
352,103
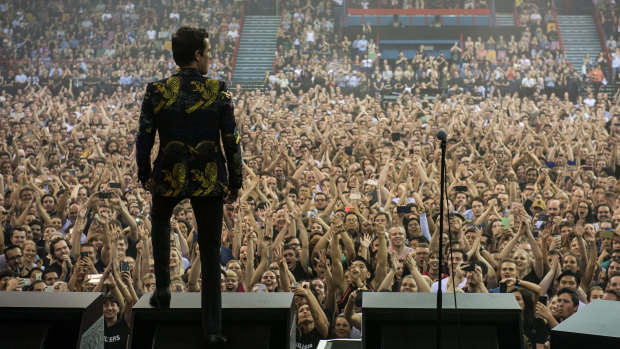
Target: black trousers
x,y
208,212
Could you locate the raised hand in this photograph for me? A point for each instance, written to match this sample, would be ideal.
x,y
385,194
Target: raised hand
x,y
278,256
543,311
126,277
394,259
322,260
366,241
300,291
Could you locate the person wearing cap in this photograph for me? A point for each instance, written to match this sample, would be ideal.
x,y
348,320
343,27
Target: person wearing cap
x,y
538,208
539,205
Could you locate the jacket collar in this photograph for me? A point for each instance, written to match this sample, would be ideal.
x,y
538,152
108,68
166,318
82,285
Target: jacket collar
x,y
187,72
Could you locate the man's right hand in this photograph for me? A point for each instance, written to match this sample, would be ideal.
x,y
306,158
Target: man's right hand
x,y
232,196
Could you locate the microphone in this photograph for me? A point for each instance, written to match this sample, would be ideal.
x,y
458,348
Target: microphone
x,y
442,134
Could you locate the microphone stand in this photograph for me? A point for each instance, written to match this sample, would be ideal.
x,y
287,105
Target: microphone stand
x,y
441,213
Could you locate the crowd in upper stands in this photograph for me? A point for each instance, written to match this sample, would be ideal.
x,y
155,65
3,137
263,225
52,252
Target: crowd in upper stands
x,y
418,4
341,189
608,13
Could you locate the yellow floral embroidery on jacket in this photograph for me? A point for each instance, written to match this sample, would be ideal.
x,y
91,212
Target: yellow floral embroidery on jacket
x,y
176,179
170,145
197,150
169,91
208,94
207,179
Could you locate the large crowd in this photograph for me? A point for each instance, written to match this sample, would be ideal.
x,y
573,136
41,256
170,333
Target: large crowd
x,y
341,189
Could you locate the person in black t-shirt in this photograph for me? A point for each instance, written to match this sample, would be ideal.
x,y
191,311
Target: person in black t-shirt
x,y
116,329
312,324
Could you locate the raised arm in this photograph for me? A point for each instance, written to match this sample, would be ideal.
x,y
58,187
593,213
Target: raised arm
x,y
415,272
349,311
539,267
336,256
320,321
382,255
586,280
547,281
284,282
303,239
194,274
507,251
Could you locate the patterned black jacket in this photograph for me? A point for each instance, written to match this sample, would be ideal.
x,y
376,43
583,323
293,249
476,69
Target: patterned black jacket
x,y
191,113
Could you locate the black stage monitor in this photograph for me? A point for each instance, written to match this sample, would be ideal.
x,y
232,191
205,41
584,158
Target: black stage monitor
x,y
263,319
51,320
408,320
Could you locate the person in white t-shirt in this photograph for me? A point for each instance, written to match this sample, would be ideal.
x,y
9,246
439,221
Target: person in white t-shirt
x,y
458,257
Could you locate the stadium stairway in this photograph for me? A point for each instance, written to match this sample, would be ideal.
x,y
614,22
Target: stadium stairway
x,y
256,52
505,19
580,37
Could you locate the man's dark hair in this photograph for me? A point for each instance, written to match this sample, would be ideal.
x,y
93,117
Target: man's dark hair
x,y
371,271
35,282
616,274
573,295
36,222
18,228
108,298
48,271
8,273
387,216
290,247
12,247
602,205
46,195
320,193
615,293
461,251
479,199
35,269
185,42
54,242
420,239
570,273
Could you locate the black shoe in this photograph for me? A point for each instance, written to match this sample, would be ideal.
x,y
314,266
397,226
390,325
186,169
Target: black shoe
x,y
214,341
160,298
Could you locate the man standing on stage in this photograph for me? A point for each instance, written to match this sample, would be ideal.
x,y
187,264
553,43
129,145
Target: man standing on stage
x,y
192,113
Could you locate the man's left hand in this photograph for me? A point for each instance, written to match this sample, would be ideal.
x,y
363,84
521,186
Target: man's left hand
x,y
149,185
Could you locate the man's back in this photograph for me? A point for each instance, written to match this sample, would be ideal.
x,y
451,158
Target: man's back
x,y
189,111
